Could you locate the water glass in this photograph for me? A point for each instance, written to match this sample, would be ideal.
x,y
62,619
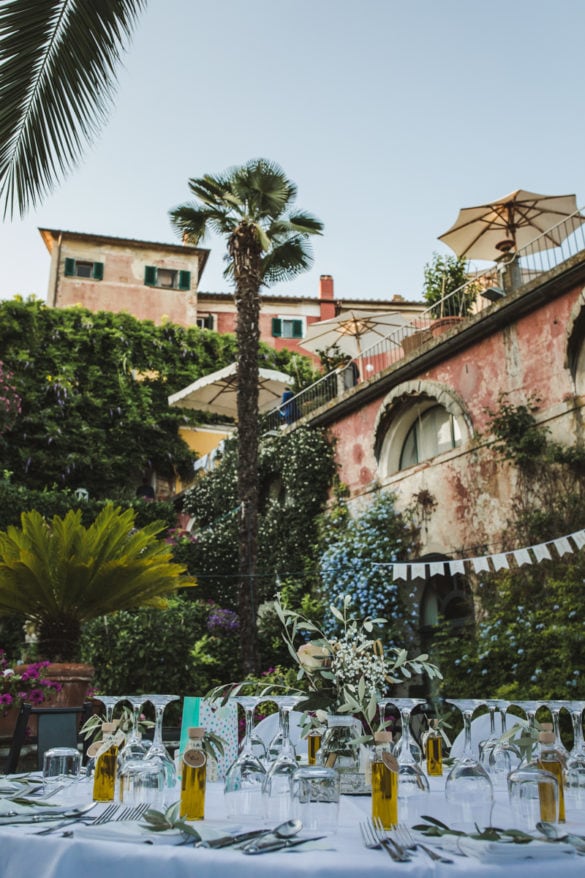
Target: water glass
x,y
315,798
534,796
61,765
143,781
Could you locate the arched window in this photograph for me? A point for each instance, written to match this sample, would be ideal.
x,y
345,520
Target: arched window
x,y
418,421
433,432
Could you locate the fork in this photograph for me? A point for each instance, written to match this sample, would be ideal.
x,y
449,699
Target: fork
x,y
107,815
404,837
382,834
371,840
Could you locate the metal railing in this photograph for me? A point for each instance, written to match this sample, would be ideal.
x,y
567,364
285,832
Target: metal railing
x,y
511,272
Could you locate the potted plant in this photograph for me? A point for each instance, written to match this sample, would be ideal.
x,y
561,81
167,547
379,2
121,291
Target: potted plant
x,y
59,574
19,684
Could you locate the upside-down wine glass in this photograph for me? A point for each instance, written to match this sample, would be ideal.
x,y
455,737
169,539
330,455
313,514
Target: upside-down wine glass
x,y
134,748
530,708
109,702
285,704
555,708
244,777
277,785
504,756
157,749
468,787
406,743
575,768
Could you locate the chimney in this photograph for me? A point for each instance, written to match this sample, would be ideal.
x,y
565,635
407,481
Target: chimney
x,y
326,287
326,297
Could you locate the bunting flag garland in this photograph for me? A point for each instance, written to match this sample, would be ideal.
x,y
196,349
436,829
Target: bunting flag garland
x,y
566,545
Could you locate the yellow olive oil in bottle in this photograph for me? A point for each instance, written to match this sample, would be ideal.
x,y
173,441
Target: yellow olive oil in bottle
x,y
434,748
384,781
193,776
551,760
313,744
104,778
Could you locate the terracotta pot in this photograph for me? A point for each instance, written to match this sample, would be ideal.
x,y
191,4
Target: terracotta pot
x,y
444,324
75,678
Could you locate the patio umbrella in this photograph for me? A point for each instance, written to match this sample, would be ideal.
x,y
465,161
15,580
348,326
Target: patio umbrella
x,y
510,223
353,331
217,392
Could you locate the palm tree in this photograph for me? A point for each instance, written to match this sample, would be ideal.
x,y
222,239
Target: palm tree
x,y
57,63
266,242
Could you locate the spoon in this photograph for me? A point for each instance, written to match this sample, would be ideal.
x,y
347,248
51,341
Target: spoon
x,y
282,831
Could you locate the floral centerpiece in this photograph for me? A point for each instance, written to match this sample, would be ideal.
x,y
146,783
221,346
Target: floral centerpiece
x,y
26,683
347,672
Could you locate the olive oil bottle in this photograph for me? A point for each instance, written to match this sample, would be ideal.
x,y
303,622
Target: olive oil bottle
x,y
434,750
384,781
551,760
194,776
313,744
106,762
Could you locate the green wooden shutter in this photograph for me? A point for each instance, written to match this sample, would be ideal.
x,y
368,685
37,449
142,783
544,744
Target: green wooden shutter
x,y
297,329
184,280
276,327
69,267
150,275
209,321
98,271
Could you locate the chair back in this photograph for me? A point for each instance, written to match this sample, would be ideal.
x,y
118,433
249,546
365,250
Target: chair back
x,y
56,727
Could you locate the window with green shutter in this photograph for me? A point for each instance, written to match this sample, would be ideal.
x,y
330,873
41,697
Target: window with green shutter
x,y
276,327
84,268
287,327
184,280
149,276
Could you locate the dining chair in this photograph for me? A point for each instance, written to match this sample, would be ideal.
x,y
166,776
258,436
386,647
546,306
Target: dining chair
x,y
56,727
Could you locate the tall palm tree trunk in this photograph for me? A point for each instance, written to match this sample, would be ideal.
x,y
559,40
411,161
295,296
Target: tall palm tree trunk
x,y
245,251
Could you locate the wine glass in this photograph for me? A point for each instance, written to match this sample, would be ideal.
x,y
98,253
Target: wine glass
x,y
244,777
109,702
555,708
504,756
285,704
486,746
134,748
277,785
157,749
406,743
575,768
530,708
468,787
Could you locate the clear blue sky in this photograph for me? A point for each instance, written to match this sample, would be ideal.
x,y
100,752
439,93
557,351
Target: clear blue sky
x,y
389,115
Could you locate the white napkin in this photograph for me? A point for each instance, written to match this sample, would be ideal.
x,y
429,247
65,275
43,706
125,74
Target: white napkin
x,y
129,831
505,852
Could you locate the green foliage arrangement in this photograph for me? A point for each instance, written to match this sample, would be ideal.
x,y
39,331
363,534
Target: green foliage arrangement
x,y
59,573
446,286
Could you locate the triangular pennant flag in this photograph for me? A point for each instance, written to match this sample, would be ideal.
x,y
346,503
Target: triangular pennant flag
x,y
457,566
417,571
541,552
579,538
563,546
437,568
480,564
522,556
500,561
399,571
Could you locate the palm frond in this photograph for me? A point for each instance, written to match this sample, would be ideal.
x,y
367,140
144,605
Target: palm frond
x,y
57,78
298,223
287,260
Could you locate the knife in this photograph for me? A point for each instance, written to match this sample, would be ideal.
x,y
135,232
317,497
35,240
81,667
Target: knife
x,y
227,840
43,816
278,845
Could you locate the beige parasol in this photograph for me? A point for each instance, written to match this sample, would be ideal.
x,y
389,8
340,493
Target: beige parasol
x,y
352,332
510,223
217,392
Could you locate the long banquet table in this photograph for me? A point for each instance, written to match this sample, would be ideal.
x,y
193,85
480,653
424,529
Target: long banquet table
x,y
23,853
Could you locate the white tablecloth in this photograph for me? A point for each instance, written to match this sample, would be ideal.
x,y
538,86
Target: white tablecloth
x,y
22,853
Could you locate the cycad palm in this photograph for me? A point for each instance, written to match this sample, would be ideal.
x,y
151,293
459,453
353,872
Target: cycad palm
x,y
267,241
60,574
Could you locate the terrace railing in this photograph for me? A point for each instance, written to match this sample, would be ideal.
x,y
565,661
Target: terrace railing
x,y
484,287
